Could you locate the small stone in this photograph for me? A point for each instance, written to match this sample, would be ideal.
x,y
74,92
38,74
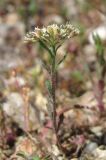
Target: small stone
x,y
97,130
90,147
99,154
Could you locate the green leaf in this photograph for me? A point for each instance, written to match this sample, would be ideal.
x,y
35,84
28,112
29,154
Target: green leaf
x,y
77,75
32,7
100,49
46,66
21,154
45,47
21,11
98,42
64,57
49,86
36,158
58,47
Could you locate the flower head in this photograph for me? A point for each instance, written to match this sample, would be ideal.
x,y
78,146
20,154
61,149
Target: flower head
x,y
52,35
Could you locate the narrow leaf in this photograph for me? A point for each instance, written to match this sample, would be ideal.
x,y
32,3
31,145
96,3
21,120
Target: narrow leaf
x,y
49,86
46,66
64,57
100,49
45,47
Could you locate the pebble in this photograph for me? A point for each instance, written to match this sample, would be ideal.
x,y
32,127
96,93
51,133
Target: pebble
x,y
100,154
90,147
97,130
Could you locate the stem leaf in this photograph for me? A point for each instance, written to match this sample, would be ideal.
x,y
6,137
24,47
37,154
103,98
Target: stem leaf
x,y
63,58
45,47
49,86
99,48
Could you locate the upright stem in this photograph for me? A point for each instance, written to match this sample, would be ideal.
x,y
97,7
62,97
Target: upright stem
x,y
53,80
54,115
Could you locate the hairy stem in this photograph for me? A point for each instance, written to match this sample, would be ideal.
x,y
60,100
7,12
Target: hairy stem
x,y
54,115
53,81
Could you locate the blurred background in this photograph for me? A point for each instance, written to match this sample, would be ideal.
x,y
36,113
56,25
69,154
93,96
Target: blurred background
x,y
20,63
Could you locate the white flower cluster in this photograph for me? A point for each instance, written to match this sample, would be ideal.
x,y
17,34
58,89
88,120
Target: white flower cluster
x,y
52,34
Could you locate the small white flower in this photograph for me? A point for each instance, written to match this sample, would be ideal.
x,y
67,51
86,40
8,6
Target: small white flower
x,y
52,34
